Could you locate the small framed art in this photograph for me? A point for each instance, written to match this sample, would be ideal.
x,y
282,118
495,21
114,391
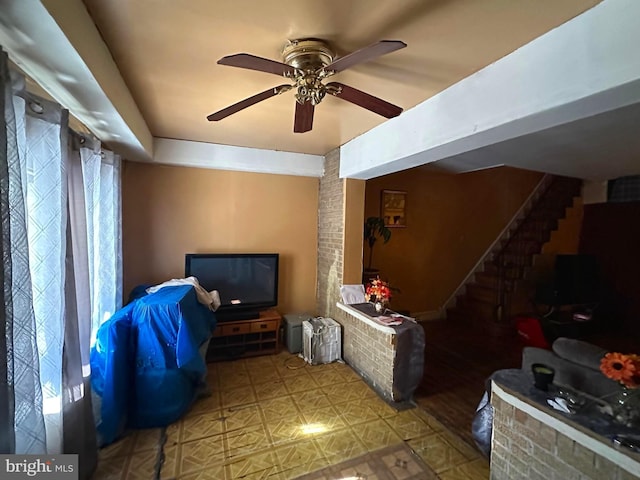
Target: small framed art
x,y
393,206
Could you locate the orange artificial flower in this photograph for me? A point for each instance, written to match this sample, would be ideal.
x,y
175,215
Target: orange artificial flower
x,y
622,368
380,289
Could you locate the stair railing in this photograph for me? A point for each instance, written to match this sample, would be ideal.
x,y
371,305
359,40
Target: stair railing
x,y
503,300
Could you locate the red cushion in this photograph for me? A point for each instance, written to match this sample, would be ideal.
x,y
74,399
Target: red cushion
x,y
530,332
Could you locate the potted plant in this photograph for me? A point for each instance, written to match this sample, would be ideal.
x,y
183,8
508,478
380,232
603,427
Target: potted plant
x,y
374,229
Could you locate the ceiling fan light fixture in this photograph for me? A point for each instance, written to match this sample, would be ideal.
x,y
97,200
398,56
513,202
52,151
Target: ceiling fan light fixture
x,y
308,62
307,54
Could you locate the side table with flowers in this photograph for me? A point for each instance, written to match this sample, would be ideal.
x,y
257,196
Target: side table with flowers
x,y
624,369
378,292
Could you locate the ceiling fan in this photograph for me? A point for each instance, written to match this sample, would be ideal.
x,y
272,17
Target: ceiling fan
x,y
308,62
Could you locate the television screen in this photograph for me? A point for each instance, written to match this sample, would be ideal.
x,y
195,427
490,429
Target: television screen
x,y
576,279
246,282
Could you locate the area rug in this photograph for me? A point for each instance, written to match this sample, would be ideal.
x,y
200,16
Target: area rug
x,y
397,462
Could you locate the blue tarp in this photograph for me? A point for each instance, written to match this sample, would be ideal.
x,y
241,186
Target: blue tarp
x,y
146,363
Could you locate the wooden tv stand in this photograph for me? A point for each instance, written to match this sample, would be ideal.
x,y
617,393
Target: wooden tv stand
x,y
245,338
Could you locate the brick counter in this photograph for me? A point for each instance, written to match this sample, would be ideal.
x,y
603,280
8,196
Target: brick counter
x,y
531,443
390,359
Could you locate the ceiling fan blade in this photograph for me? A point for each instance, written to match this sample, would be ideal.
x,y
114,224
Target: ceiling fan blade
x,y
365,54
251,62
304,117
364,100
247,102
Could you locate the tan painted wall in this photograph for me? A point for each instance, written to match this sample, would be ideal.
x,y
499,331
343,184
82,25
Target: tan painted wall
x,y
451,221
170,211
566,238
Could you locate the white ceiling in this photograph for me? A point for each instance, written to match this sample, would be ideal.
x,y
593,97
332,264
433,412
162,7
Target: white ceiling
x,y
163,79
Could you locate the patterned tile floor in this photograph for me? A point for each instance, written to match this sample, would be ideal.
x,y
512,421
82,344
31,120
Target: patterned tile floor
x,y
275,417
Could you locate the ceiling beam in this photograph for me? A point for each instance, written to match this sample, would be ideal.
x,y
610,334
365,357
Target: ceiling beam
x,y
67,57
585,68
226,157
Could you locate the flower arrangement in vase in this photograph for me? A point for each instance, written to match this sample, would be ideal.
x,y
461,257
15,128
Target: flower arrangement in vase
x,y
378,292
624,369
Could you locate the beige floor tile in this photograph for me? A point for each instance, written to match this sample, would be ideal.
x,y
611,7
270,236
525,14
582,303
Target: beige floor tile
x,y
278,408
173,433
240,417
463,447
237,396
262,361
376,434
230,380
286,430
301,453
313,398
200,454
201,426
272,389
356,412
263,374
257,465
378,406
147,439
300,383
119,448
329,417
349,375
473,470
267,421
340,446
111,468
327,377
288,369
295,471
207,404
142,465
343,392
248,440
408,425
437,452
169,468
213,472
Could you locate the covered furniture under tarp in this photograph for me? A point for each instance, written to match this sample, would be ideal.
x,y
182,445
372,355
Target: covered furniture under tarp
x,y
149,360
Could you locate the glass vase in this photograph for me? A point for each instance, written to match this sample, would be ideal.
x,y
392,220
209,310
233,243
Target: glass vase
x,y
625,406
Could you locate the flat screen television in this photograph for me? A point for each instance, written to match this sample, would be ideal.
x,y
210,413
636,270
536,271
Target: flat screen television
x,y
247,282
575,281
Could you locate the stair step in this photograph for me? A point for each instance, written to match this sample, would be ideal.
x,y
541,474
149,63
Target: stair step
x,y
482,293
477,310
512,259
511,273
458,315
492,280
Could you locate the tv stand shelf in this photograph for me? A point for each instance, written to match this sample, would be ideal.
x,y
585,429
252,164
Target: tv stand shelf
x,y
245,338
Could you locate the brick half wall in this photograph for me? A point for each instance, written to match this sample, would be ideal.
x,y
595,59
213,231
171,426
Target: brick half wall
x,y
370,351
530,443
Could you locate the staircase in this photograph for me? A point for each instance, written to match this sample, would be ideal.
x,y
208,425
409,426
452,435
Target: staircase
x,y
495,293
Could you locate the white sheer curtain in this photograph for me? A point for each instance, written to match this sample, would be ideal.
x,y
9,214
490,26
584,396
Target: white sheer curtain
x,y
22,426
46,209
62,274
101,180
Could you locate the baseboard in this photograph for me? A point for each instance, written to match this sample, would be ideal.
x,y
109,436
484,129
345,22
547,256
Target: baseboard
x,y
429,315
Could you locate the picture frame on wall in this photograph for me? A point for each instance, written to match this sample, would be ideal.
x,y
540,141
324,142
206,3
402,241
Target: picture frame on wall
x,y
393,206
